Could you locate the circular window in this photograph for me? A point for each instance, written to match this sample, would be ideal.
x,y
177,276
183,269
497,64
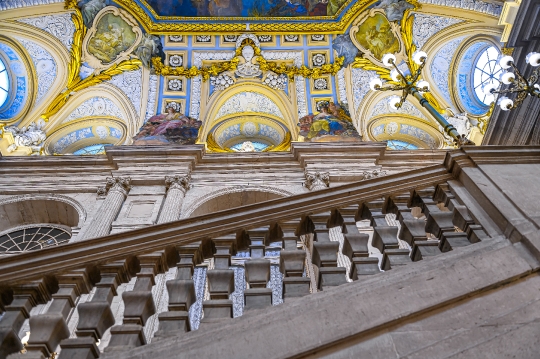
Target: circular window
x,y
33,237
400,145
486,71
4,83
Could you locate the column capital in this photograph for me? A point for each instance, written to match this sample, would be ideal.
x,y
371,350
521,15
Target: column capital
x,y
182,183
316,180
119,184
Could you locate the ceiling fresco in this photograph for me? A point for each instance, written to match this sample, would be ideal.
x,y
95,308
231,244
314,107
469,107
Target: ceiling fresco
x,y
257,15
130,83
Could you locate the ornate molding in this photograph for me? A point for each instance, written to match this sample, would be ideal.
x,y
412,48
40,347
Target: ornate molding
x,y
182,183
59,25
316,180
118,184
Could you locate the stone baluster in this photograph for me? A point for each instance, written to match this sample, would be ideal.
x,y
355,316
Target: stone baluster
x,y
221,278
257,238
291,259
220,286
437,222
25,297
461,218
286,231
325,251
181,293
176,186
355,245
257,272
49,329
412,228
96,316
384,236
225,249
115,191
139,303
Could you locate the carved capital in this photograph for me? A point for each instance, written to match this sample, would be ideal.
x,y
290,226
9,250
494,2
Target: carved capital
x,y
119,184
316,180
373,174
182,183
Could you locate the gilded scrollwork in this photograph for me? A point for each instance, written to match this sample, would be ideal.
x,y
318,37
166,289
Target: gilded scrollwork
x,y
239,62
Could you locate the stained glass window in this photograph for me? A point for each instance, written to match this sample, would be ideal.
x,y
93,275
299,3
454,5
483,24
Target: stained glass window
x,y
97,149
4,83
400,145
486,71
27,239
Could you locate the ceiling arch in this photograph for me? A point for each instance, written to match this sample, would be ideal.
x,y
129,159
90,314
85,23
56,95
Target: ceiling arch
x,y
405,128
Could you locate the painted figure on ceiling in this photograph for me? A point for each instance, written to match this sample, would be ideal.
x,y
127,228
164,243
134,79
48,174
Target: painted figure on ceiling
x,y
89,10
344,46
394,9
225,8
320,9
288,8
376,35
170,128
331,124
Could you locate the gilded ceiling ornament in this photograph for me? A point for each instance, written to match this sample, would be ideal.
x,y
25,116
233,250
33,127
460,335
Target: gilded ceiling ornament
x,y
75,83
113,36
248,49
369,59
153,23
213,146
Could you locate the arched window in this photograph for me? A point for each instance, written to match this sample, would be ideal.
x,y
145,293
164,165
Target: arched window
x,y
97,149
4,83
486,71
33,237
400,145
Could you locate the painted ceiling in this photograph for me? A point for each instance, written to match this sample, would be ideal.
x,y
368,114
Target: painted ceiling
x,y
249,15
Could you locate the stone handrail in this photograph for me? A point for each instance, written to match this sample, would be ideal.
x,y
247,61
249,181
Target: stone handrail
x,y
30,265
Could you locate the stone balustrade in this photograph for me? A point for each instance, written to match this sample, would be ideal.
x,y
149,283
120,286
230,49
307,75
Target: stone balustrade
x,y
253,268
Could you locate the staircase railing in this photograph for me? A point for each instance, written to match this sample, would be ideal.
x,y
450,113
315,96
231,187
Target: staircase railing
x,y
214,267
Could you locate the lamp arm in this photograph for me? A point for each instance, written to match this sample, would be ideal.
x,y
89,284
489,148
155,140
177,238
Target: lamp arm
x,y
390,88
398,70
448,128
418,71
520,77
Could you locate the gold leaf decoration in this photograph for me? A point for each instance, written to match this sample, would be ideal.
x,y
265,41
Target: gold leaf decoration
x,y
279,68
105,75
316,24
292,71
282,147
406,31
75,83
367,65
213,146
193,71
483,121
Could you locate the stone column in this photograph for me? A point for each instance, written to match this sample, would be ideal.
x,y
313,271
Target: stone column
x,y
116,190
177,187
